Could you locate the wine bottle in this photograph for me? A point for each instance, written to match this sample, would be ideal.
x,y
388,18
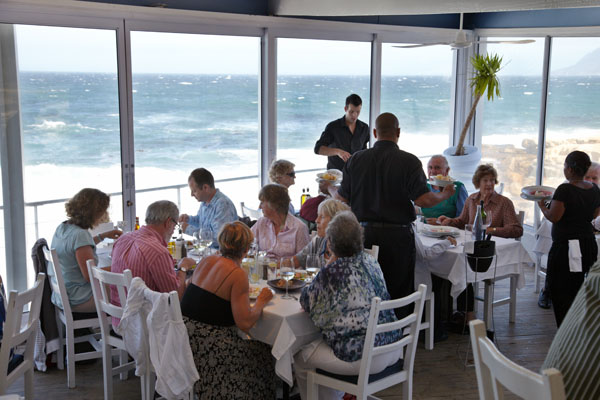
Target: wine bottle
x,y
137,223
478,232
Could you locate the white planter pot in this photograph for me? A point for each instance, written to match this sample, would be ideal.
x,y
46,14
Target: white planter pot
x,y
463,167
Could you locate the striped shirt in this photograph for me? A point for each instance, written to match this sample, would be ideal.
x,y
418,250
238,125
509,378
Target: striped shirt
x,y
575,350
144,252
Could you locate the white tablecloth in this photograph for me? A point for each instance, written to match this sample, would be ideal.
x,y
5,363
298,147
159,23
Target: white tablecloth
x,y
450,265
286,327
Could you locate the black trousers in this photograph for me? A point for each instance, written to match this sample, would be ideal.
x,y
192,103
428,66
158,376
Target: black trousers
x,y
563,283
397,257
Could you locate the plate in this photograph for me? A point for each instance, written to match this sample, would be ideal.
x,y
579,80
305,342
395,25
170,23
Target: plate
x,y
331,175
254,291
440,230
528,193
293,285
440,182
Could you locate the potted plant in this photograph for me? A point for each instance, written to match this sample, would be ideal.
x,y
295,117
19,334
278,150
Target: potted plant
x,y
464,159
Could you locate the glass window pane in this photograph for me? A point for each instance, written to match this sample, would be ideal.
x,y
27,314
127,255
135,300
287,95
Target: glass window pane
x,y
70,121
510,124
573,96
195,104
416,86
314,77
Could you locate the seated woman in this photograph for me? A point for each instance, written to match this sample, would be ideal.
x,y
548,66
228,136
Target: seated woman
x,y
504,218
278,233
282,172
318,245
75,245
339,301
214,305
504,223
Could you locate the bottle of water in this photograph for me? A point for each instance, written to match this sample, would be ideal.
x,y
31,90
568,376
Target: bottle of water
x,y
478,233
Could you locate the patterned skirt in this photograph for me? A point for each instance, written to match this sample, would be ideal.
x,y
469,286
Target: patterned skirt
x,y
229,366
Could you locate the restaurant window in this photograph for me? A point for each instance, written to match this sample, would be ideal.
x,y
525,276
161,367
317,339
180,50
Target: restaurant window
x,y
416,86
195,104
509,125
572,121
314,77
67,79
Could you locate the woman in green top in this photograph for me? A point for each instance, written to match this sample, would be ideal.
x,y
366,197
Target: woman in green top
x,y
75,245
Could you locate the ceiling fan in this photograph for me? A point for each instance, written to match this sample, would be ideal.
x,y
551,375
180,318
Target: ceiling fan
x,y
461,42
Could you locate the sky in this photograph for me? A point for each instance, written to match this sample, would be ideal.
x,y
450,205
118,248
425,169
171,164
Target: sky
x,y
93,50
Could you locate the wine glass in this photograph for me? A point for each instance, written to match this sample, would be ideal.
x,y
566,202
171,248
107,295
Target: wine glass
x,y
312,266
206,239
286,271
487,220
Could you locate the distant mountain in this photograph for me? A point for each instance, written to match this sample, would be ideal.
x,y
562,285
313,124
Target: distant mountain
x,y
588,65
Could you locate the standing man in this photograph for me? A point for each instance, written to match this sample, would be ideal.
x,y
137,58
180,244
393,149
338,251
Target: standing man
x,y
345,136
438,165
215,211
380,183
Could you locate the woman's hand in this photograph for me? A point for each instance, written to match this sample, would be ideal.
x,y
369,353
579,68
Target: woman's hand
x,y
114,234
431,221
265,295
451,240
443,220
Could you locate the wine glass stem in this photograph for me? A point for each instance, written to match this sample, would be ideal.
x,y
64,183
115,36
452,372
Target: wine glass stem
x,y
286,288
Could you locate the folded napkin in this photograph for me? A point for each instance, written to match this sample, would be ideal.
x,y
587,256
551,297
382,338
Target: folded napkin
x,y
574,256
469,247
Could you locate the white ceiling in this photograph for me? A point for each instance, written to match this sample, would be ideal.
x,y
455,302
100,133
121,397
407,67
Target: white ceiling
x,y
414,7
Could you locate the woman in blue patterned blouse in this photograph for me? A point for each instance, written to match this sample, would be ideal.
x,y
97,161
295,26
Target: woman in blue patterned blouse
x,y
339,301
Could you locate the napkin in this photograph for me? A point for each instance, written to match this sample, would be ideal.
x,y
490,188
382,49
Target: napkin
x,y
469,247
574,256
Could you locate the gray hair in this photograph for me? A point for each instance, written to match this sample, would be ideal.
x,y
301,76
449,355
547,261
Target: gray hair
x,y
160,211
594,165
344,235
330,207
440,157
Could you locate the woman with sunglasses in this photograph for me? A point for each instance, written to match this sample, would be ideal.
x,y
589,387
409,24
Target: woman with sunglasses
x,y
282,172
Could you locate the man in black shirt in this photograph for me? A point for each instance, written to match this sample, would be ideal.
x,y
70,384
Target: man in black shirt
x,y
379,183
345,136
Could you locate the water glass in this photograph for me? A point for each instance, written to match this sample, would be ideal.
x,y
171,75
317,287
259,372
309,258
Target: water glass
x,y
468,232
271,268
206,239
313,264
286,271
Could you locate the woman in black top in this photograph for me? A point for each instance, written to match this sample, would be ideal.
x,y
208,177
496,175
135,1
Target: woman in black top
x,y
215,304
574,205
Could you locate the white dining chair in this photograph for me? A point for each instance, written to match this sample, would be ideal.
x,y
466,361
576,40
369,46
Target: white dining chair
x,y
364,384
373,251
67,325
250,212
496,372
15,334
101,281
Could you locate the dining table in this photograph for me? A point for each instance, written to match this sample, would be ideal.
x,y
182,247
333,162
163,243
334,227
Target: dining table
x,y
510,260
286,327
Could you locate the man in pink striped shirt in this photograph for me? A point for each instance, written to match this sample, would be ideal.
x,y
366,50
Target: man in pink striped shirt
x,y
144,252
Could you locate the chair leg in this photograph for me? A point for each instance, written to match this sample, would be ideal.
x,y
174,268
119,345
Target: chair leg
x,y
513,299
29,384
123,358
70,358
312,390
429,311
407,388
107,371
60,353
538,262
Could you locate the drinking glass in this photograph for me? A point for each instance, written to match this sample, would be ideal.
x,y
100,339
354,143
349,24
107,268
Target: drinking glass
x,y
206,239
312,266
121,225
271,268
286,271
487,221
468,233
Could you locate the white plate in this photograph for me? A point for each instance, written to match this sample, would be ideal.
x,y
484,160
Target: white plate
x,y
526,192
441,183
333,172
254,291
438,231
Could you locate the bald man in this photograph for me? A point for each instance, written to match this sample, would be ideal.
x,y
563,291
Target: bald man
x,y
380,185
593,174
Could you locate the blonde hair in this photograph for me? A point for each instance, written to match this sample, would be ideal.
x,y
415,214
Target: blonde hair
x,y
234,239
330,207
279,168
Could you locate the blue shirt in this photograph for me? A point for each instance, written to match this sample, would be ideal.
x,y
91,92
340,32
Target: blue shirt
x,y
339,302
67,239
212,216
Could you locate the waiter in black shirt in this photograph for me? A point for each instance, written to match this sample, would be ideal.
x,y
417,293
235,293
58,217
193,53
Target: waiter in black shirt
x,y
345,136
379,183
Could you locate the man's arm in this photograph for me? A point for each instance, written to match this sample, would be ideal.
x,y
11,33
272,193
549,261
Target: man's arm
x,y
460,200
332,151
430,199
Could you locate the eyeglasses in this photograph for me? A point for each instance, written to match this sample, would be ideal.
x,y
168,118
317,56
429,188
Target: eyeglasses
x,y
291,174
175,222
